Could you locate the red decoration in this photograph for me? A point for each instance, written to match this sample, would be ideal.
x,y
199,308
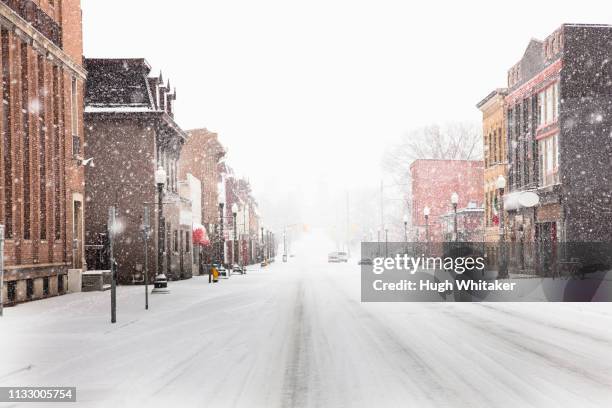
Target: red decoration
x,y
200,237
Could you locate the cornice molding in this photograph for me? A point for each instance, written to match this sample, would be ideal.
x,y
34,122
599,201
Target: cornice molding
x,y
12,21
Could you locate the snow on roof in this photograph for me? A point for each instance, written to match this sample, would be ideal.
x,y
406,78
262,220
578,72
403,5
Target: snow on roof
x,y
120,108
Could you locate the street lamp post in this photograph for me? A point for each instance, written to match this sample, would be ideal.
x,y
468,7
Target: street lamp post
x,y
221,236
112,228
146,233
406,233
161,282
426,214
454,202
386,242
262,248
501,185
234,213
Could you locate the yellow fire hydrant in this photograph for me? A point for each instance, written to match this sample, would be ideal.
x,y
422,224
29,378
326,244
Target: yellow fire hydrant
x,y
215,274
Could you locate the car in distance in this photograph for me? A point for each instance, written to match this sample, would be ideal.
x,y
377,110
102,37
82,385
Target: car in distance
x,y
337,257
365,261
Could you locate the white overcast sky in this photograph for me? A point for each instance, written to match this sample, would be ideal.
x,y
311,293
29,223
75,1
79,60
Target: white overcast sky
x,y
305,91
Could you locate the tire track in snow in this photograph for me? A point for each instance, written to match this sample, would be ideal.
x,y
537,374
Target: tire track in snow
x,y
295,387
507,336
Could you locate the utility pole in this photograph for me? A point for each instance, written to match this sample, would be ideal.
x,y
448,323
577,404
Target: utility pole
x,y
382,212
348,233
111,235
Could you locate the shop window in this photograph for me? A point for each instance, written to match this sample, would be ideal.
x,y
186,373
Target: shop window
x,y
46,286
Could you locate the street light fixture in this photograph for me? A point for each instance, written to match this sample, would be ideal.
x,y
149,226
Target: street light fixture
x,y
161,282
454,202
426,214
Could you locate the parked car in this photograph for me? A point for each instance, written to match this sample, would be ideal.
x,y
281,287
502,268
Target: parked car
x,y
223,273
239,269
365,261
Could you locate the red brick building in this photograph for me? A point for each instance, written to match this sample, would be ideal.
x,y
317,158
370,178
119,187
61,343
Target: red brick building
x,y
238,191
200,157
433,182
41,177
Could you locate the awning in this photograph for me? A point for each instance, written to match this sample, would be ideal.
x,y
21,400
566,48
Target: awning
x,y
200,237
520,199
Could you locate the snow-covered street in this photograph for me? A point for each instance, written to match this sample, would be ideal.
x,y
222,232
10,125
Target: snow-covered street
x,y
296,334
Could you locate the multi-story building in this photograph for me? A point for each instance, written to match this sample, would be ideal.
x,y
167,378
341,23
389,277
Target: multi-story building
x,y
433,182
201,156
495,158
41,177
238,192
131,132
559,119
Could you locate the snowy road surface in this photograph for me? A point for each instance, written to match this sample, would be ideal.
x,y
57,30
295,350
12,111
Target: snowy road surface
x,y
297,335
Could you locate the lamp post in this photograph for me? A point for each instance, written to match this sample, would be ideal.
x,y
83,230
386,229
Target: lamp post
x,y
262,248
221,236
161,282
234,213
386,242
500,183
146,234
426,214
454,202
112,228
406,233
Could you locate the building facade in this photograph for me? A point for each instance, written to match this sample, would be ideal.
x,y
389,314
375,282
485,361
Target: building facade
x,y
559,119
41,177
433,182
241,246
495,158
131,132
201,157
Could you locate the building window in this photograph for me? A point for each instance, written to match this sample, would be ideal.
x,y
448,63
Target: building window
x,y
187,246
176,241
6,136
46,286
549,160
548,105
25,131
74,117
42,151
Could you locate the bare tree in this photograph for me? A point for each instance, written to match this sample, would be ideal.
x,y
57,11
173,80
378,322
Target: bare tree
x,y
452,141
